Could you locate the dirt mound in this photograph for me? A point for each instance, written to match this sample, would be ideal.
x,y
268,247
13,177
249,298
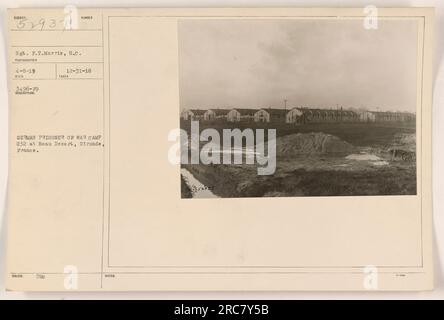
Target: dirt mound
x,y
405,141
404,155
311,143
408,138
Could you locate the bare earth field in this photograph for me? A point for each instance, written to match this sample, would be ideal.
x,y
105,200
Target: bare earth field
x,y
321,160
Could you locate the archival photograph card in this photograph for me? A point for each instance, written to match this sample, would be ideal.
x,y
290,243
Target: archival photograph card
x,y
261,149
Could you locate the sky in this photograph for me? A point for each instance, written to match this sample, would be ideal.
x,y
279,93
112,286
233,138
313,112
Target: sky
x,y
325,63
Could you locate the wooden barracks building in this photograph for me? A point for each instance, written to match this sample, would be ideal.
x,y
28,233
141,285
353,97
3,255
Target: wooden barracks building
x,y
299,115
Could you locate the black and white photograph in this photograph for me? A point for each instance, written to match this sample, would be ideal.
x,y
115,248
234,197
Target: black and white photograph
x,y
298,107
209,150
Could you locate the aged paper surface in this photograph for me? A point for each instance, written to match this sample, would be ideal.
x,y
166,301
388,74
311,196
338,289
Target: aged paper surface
x,y
95,202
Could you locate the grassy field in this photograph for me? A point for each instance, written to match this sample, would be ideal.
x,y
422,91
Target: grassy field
x,y
358,134
317,174
242,181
